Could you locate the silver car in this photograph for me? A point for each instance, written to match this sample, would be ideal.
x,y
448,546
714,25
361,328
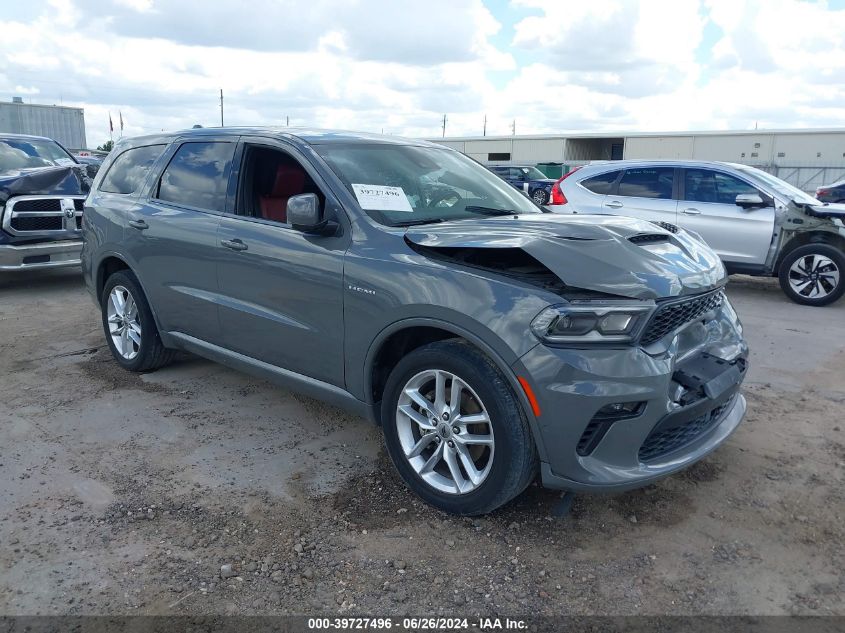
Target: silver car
x,y
757,223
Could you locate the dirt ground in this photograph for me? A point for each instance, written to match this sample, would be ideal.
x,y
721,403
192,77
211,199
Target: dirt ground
x,y
199,490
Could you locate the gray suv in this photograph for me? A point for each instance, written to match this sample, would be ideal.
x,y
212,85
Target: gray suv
x,y
490,340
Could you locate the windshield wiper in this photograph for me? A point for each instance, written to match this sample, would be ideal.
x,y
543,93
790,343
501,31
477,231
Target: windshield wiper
x,y
490,210
418,222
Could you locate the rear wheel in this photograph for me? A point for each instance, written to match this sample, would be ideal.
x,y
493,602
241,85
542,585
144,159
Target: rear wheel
x,y
813,274
540,196
129,326
455,430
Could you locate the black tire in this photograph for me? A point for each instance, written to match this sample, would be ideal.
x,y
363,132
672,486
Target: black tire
x,y
151,354
540,196
828,251
514,460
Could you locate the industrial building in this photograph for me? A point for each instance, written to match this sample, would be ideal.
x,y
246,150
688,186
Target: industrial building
x,y
62,123
806,158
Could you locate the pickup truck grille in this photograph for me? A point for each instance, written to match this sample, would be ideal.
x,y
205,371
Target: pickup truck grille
x,y
38,223
44,216
39,204
670,316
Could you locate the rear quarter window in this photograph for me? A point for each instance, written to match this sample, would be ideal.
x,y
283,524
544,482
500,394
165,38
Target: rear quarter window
x,y
129,170
602,183
198,175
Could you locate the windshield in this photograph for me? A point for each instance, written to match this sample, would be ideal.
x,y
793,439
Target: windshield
x,y
782,187
27,153
533,173
401,185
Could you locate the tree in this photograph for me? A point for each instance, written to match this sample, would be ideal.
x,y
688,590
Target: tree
x,y
106,147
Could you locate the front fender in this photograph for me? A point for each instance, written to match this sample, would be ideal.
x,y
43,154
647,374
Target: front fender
x,y
495,349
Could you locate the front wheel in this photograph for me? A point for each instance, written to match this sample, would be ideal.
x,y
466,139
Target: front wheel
x,y
455,430
813,274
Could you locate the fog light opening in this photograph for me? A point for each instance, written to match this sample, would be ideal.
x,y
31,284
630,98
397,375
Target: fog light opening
x,y
620,410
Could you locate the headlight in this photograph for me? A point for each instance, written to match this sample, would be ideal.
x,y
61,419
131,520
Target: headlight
x,y
590,322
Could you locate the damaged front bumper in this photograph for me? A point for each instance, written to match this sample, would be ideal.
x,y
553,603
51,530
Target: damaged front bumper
x,y
621,418
40,255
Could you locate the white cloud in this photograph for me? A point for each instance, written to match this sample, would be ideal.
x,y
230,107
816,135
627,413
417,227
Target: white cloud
x,y
397,66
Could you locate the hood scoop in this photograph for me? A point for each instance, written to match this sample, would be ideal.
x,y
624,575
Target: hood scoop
x,y
648,238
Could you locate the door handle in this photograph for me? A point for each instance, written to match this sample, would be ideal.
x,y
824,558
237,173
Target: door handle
x,y
235,244
614,205
691,212
139,224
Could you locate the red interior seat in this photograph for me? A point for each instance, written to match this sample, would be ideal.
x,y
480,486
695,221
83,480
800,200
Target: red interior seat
x,y
289,181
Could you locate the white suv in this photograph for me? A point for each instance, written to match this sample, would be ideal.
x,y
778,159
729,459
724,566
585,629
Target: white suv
x,y
758,224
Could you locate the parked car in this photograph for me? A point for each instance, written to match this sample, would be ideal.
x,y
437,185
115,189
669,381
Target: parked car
x,y
42,193
92,162
757,223
528,179
490,340
832,193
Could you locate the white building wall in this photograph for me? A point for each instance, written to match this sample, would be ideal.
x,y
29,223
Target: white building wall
x,y
646,147
534,151
741,148
809,149
61,123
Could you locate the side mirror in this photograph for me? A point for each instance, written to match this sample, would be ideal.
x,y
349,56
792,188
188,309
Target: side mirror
x,y
304,213
749,200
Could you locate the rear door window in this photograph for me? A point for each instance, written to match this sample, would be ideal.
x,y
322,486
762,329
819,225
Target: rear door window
x,y
130,169
198,175
647,182
602,183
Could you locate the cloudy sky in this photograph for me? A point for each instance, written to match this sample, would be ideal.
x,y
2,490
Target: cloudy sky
x,y
398,65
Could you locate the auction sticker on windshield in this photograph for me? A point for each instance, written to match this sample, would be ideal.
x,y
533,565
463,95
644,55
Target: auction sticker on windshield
x,y
382,198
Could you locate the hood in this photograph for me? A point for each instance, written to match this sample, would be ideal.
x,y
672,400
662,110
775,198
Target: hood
x,y
832,210
545,181
71,180
603,253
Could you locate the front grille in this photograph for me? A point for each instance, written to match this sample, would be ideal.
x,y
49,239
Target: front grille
x,y
29,215
661,442
45,204
38,223
671,316
666,225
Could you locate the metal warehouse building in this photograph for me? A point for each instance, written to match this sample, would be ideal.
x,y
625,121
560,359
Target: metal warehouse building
x,y
62,123
806,158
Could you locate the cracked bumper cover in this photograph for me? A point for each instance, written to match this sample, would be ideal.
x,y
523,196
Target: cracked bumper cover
x,y
571,386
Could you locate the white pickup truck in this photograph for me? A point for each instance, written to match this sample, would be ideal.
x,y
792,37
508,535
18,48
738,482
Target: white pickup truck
x,y
757,223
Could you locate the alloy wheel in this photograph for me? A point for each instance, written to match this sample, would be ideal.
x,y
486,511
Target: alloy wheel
x,y
445,431
539,196
814,276
124,323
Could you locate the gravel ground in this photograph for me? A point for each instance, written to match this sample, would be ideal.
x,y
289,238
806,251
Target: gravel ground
x,y
199,490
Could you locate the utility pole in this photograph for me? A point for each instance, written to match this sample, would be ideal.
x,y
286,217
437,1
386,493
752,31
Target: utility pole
x,y
287,121
221,107
513,128
444,126
484,133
